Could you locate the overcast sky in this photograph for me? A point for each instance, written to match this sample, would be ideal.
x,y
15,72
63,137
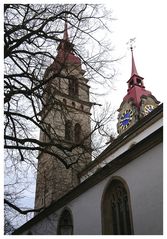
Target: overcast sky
x,y
144,20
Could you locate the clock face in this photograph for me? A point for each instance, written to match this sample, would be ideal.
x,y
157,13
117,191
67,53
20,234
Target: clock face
x,y
126,118
148,108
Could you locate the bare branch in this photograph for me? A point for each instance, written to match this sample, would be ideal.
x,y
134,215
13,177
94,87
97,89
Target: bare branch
x,y
24,212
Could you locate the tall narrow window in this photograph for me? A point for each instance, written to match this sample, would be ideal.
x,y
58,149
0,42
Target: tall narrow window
x,y
139,82
64,101
68,130
116,215
73,87
131,83
77,133
65,225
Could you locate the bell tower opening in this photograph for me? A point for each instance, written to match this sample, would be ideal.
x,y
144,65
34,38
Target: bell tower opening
x,y
73,87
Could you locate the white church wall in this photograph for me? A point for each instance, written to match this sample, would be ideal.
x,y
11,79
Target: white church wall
x,y
144,179
87,211
145,182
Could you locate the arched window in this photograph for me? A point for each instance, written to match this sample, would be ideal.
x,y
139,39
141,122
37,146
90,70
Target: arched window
x,y
68,130
139,82
65,225
82,107
73,87
77,133
73,104
116,214
131,83
64,101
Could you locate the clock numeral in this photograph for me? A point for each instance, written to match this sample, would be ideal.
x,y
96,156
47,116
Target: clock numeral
x,y
148,109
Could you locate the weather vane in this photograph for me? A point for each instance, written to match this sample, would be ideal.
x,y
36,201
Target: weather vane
x,y
131,43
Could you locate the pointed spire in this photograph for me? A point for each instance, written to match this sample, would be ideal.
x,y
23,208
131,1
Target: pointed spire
x,y
66,49
65,45
136,88
65,36
134,70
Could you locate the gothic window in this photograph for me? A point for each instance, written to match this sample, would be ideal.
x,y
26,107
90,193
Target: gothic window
x,y
73,87
65,225
116,214
77,133
68,130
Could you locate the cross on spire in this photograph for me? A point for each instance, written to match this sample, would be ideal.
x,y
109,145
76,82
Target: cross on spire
x,y
131,43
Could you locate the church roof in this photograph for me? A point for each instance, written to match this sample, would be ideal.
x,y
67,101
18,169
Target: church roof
x,y
121,160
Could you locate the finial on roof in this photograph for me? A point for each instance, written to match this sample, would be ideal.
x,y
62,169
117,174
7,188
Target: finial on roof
x,y
131,43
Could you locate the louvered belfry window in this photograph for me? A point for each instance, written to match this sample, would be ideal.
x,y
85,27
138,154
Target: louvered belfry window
x,y
77,131
68,130
73,87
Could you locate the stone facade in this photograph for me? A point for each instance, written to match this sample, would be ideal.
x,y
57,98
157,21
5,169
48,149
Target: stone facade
x,y
53,178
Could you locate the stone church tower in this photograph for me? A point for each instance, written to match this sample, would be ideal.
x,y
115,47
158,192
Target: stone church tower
x,y
137,103
66,117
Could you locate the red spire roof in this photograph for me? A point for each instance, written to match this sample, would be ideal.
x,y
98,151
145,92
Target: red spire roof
x,y
65,53
66,50
136,88
134,70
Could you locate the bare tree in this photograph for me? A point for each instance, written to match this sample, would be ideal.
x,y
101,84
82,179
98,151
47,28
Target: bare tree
x,y
32,33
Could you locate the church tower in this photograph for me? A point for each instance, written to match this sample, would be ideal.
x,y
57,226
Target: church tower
x,y
137,103
66,120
